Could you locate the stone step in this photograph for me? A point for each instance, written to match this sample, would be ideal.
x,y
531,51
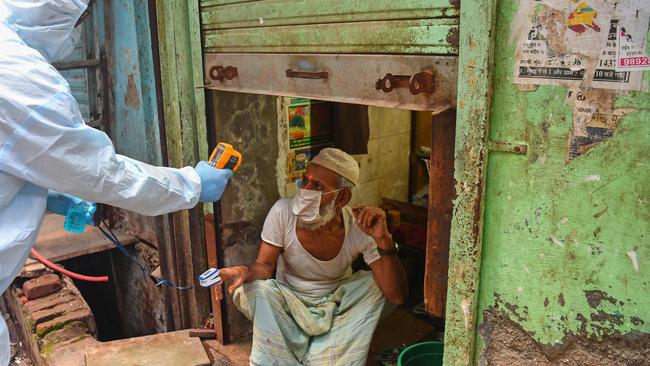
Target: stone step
x,y
72,353
164,349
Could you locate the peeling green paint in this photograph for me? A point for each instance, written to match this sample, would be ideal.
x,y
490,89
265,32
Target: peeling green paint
x,y
474,94
322,26
270,13
181,70
559,238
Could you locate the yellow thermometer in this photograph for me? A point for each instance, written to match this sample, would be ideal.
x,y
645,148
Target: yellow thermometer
x,y
224,156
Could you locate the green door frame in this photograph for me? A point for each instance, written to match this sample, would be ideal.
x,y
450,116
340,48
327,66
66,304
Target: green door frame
x,y
181,78
475,62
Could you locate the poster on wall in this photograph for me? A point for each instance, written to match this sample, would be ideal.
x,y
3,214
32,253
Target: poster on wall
x,y
606,76
571,43
309,133
632,37
594,119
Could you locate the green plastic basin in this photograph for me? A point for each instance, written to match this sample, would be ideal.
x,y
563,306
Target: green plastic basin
x,y
421,354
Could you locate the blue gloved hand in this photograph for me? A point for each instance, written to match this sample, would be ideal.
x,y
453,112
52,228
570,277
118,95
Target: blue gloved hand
x,y
60,203
213,181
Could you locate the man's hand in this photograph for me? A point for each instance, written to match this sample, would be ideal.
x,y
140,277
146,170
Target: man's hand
x,y
235,276
372,221
213,181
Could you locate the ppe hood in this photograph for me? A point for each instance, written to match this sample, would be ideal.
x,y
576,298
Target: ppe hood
x,y
45,25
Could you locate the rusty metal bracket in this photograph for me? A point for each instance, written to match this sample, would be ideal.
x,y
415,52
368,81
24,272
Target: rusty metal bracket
x,y
220,73
508,147
95,62
421,82
390,82
307,74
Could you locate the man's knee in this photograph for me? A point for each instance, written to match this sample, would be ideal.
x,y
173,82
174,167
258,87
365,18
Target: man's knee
x,y
261,297
366,281
252,292
360,288
262,288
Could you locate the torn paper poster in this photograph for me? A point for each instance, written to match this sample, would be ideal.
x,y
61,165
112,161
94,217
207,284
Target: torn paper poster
x,y
606,75
568,42
594,118
557,40
632,35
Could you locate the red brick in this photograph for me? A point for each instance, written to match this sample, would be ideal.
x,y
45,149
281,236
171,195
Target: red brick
x,y
83,315
49,301
42,286
71,332
62,309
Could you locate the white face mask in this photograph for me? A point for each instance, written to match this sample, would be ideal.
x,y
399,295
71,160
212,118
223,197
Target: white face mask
x,y
306,205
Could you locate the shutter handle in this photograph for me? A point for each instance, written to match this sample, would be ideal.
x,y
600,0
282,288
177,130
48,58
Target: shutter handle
x,y
307,74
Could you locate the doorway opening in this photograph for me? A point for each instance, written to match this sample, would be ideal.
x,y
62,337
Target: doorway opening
x,y
406,163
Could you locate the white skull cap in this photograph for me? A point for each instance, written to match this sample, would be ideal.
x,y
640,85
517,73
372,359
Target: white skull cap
x,y
339,162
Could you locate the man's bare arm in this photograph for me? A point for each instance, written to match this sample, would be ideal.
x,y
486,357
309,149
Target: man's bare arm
x,y
261,269
264,265
387,270
389,274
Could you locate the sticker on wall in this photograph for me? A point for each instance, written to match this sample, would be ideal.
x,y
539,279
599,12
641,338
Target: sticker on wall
x,y
309,132
571,43
594,119
632,35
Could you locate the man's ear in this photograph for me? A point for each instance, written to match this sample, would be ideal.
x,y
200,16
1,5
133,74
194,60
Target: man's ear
x,y
344,197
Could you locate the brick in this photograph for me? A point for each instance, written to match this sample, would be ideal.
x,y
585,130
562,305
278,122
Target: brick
x,y
83,315
42,286
70,333
61,309
49,301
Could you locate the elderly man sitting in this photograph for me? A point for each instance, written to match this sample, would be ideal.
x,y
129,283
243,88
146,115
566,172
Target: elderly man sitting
x,y
316,311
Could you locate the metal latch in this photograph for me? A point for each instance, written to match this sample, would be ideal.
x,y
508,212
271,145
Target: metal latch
x,y
508,147
220,73
421,82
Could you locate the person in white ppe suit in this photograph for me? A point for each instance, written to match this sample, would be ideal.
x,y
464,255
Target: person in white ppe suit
x,y
45,144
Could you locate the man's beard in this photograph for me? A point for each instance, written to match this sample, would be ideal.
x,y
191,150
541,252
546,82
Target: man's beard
x,y
326,213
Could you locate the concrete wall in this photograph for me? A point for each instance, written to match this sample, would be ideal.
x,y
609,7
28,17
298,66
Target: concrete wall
x,y
564,277
248,122
385,170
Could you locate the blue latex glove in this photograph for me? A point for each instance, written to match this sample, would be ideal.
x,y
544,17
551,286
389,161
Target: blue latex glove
x,y
213,181
59,203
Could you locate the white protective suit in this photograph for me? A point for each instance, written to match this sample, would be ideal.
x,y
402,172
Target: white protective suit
x,y
44,143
